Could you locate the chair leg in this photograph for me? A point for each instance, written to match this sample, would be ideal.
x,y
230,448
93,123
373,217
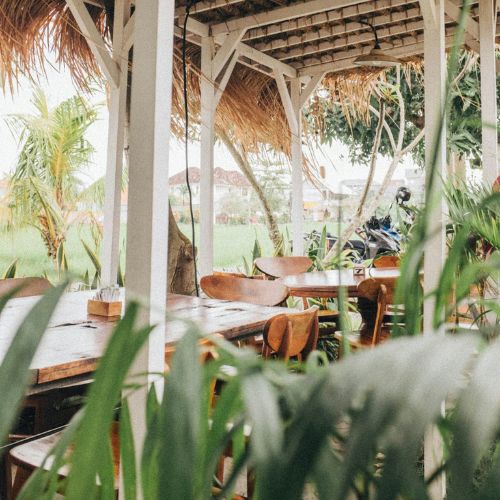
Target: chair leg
x,y
22,475
219,473
250,483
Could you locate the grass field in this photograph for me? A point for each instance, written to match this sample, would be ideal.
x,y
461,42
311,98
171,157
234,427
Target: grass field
x,y
231,244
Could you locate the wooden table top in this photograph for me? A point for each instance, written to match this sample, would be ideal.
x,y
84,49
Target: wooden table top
x,y
75,341
327,283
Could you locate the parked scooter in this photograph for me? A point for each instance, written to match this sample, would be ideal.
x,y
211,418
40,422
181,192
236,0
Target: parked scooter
x,y
378,236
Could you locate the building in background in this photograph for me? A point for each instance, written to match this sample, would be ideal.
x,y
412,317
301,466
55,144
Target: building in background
x,y
232,194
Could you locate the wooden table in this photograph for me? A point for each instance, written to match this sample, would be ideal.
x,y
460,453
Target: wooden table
x,y
326,284
75,341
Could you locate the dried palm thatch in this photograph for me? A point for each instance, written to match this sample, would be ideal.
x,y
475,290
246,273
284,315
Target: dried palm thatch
x,y
29,30
353,91
250,108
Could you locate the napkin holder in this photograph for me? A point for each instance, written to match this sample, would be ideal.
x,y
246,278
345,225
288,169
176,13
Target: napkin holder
x,y
102,308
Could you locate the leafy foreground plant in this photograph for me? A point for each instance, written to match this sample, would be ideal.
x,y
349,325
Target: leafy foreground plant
x,y
346,429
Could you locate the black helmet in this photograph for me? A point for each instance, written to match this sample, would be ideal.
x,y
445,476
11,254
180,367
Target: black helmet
x,y
403,195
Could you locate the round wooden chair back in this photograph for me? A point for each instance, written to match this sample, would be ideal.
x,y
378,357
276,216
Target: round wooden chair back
x,y
291,335
279,267
28,287
372,305
258,292
387,261
224,273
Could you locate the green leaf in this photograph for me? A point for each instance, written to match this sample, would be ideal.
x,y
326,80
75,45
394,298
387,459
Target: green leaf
x,y
93,434
10,271
94,258
127,454
17,360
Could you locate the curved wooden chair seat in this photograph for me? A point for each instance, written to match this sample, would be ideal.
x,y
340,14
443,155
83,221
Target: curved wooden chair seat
x,y
291,335
279,267
387,261
28,287
373,297
259,292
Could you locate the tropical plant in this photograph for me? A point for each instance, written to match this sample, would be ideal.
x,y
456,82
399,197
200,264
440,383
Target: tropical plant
x,y
335,428
474,212
351,429
359,129
46,189
10,270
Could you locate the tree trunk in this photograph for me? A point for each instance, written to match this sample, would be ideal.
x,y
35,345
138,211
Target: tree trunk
x,y
360,211
245,167
180,259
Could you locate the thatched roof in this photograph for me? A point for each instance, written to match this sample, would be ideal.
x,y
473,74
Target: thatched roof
x,y
250,108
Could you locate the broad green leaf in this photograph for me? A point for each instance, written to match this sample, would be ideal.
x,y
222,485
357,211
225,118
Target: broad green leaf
x,y
17,360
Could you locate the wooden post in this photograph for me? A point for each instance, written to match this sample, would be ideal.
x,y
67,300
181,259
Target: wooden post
x,y
297,178
110,252
487,31
206,244
216,69
147,226
435,158
293,102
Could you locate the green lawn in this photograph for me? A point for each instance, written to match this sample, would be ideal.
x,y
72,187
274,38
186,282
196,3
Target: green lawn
x,y
231,244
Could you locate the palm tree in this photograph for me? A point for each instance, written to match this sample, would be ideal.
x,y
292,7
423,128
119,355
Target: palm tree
x,y
46,189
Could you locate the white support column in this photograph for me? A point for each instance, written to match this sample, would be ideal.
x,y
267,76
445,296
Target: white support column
x,y
110,252
297,178
435,157
293,103
216,69
487,29
147,227
206,243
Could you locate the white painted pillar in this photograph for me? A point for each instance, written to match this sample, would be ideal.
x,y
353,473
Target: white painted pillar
x,y
110,252
435,157
147,227
297,175
487,30
206,243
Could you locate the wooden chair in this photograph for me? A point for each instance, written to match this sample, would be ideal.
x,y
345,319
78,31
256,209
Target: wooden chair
x,y
387,261
259,292
29,286
291,335
279,267
373,297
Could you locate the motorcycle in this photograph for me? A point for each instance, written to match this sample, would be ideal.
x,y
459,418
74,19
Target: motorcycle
x,y
378,236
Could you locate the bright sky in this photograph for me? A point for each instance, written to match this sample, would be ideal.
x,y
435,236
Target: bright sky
x,y
58,86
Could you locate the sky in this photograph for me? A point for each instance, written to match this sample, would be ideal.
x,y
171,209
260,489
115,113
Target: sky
x,y
58,86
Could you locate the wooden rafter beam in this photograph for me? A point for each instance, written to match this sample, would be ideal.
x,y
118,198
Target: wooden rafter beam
x,y
454,11
206,6
341,42
340,29
280,14
103,57
203,30
405,47
265,60
353,11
